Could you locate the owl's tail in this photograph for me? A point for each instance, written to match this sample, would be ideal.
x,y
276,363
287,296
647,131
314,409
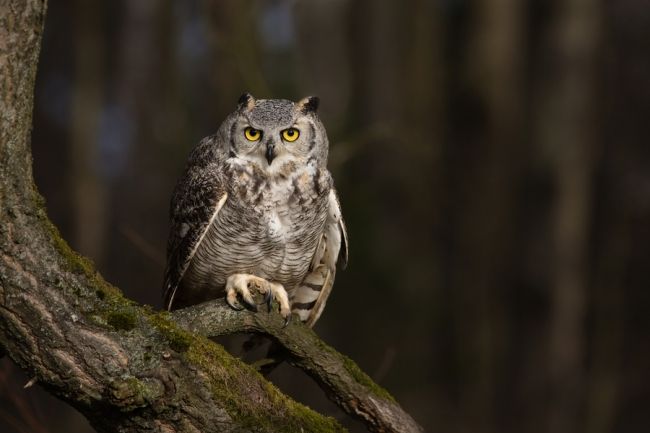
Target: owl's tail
x,y
310,297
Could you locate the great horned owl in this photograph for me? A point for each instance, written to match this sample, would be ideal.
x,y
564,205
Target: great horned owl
x,y
256,209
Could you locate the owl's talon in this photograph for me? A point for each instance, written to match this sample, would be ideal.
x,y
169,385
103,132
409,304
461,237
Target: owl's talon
x,y
268,300
240,285
287,320
234,305
237,307
251,306
279,294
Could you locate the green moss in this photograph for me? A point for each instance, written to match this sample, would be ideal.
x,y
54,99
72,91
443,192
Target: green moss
x,y
133,393
115,311
39,200
121,320
232,378
354,370
73,261
179,339
364,379
313,421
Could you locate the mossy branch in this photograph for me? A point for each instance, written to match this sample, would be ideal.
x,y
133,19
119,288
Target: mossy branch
x,y
126,367
341,379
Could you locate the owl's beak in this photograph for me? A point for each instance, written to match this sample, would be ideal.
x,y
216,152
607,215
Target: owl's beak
x,y
270,152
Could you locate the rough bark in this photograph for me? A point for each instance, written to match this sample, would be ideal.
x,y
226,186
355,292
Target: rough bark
x,y
344,383
124,366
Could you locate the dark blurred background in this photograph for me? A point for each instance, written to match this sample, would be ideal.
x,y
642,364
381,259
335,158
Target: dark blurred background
x,y
492,159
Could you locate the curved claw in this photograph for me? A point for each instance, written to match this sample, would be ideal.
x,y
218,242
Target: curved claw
x,y
238,294
250,305
286,321
234,306
268,300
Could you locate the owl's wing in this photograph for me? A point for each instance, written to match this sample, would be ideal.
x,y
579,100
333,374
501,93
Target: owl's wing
x,y
310,297
197,199
343,251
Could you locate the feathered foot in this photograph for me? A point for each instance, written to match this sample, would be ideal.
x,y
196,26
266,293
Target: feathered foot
x,y
242,284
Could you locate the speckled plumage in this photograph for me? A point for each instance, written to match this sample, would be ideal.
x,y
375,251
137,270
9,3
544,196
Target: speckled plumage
x,y
235,212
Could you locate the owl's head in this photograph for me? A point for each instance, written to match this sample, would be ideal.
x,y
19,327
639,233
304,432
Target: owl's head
x,y
271,132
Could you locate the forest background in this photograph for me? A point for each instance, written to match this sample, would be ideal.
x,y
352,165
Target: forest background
x,y
491,165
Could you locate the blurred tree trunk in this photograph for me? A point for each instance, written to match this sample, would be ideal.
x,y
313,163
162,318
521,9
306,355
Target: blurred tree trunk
x,y
141,123
415,153
603,381
395,59
566,133
236,52
85,179
324,64
486,193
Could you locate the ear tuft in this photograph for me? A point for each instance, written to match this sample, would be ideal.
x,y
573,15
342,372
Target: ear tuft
x,y
246,101
309,104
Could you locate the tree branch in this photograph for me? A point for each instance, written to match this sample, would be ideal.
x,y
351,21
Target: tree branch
x,y
124,366
342,380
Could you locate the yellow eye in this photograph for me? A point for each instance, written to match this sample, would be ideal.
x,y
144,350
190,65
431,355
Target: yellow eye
x,y
290,134
252,134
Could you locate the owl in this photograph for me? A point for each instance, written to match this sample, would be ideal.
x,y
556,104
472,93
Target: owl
x,y
256,210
